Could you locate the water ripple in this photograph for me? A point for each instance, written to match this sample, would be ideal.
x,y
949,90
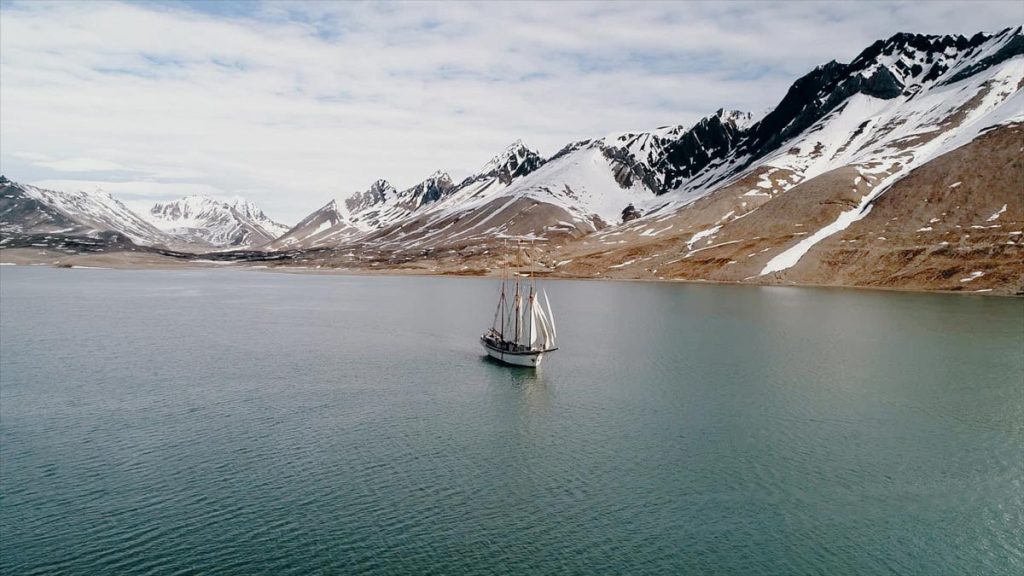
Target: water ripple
x,y
705,430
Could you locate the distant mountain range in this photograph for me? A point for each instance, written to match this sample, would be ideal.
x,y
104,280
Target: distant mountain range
x,y
27,211
201,220
193,223
900,169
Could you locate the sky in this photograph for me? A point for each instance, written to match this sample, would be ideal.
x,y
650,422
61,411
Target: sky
x,y
292,104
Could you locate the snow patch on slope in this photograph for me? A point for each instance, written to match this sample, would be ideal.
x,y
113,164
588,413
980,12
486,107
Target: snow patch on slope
x,y
234,223
998,102
99,211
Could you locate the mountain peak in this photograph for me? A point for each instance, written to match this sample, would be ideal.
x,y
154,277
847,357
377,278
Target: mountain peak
x,y
737,118
247,209
435,187
516,160
439,175
98,191
231,222
514,150
237,200
377,193
918,58
382,187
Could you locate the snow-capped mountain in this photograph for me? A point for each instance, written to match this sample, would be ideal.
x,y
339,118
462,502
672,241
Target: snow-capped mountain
x,y
835,175
869,172
896,70
511,165
329,225
382,206
582,188
203,220
842,137
29,210
515,161
907,94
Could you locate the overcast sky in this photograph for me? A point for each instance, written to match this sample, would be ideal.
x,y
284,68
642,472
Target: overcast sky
x,y
293,104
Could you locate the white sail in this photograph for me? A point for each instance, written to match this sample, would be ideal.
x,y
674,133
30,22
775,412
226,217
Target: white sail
x,y
551,317
544,327
534,340
523,345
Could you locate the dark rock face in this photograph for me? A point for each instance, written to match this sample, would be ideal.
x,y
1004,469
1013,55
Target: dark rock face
x,y
881,84
806,102
431,190
1015,47
630,213
627,170
569,148
809,99
711,139
105,241
515,162
821,91
376,194
435,191
517,165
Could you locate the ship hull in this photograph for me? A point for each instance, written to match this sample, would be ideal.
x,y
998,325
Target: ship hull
x,y
531,359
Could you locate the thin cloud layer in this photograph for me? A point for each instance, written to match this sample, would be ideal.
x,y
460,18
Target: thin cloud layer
x,y
290,104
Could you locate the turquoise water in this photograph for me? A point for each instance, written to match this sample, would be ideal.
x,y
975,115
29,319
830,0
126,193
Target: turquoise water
x,y
186,422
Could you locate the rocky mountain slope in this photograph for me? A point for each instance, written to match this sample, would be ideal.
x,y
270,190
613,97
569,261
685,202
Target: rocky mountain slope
x,y
770,200
901,169
953,109
41,217
31,212
364,212
202,220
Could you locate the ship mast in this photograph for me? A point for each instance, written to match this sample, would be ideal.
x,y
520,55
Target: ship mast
x,y
501,303
533,295
518,299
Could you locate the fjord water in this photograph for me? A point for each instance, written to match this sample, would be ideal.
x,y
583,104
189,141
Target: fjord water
x,y
212,421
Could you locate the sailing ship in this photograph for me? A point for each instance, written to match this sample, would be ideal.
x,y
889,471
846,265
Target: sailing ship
x,y
523,330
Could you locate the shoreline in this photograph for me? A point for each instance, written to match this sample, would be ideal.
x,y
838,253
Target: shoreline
x,y
163,263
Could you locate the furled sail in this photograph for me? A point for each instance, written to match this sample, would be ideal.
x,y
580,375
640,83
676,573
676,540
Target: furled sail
x,y
519,318
499,314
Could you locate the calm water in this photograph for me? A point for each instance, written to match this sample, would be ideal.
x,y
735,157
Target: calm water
x,y
156,422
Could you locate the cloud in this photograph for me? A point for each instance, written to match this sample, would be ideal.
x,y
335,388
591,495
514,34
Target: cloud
x,y
293,103
134,189
81,165
139,195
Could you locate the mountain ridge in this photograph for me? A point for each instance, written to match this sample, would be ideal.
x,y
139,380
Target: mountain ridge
x,y
236,223
834,147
